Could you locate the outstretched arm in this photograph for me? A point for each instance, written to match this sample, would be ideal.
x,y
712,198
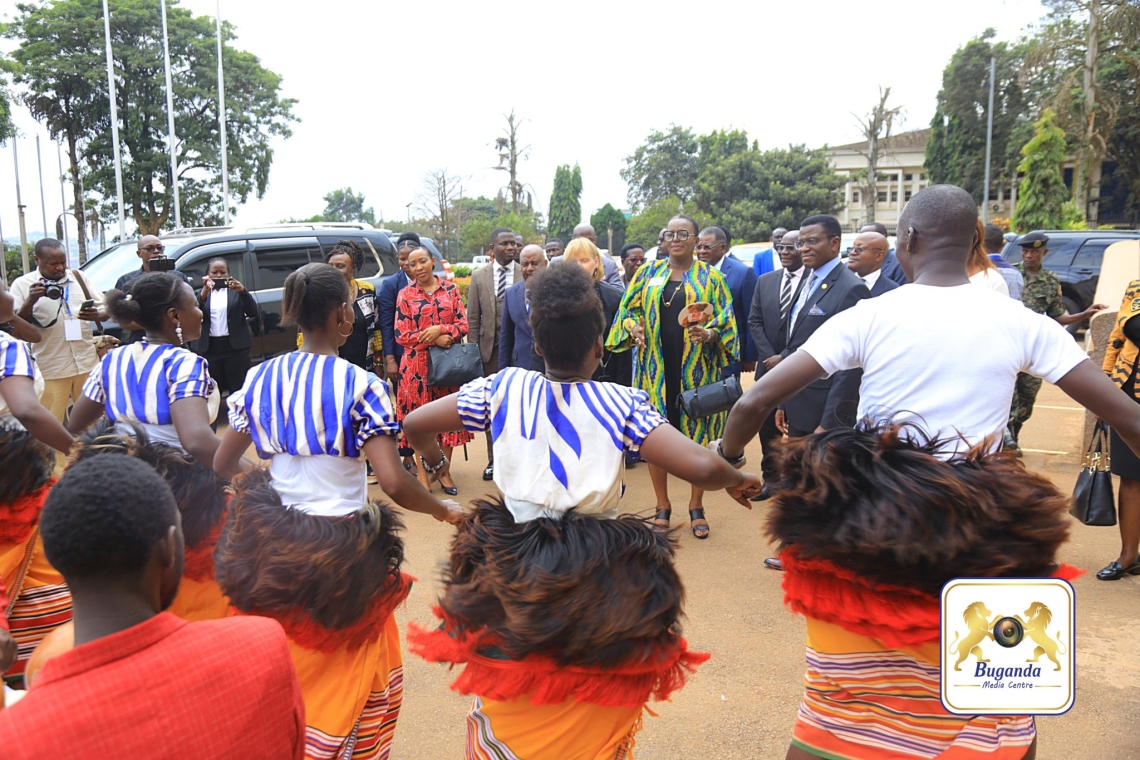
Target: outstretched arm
x,y
668,448
423,425
401,486
779,384
19,393
1090,387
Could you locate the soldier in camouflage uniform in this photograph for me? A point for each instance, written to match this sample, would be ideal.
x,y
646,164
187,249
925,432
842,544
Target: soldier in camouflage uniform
x,y
1042,294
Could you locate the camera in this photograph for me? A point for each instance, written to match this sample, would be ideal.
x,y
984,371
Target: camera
x,y
52,289
1008,632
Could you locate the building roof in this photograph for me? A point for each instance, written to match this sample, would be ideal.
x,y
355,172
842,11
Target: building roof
x,y
913,140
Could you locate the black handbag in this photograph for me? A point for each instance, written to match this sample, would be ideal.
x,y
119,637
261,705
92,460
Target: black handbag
x,y
1093,501
711,399
454,366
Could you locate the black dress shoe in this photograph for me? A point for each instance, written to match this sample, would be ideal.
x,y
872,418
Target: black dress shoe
x,y
764,494
489,473
1115,571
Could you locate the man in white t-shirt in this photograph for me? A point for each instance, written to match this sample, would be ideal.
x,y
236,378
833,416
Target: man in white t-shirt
x,y
939,353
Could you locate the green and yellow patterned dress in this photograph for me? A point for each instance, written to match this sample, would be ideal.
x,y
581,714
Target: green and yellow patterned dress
x,y
700,364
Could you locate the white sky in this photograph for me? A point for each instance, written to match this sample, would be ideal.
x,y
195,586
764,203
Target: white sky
x,y
388,91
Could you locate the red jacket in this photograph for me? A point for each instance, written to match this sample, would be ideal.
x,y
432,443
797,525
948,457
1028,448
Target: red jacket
x,y
165,689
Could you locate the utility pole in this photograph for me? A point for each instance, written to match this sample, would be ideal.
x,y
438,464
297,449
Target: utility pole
x,y
989,144
170,121
20,208
222,122
114,123
43,204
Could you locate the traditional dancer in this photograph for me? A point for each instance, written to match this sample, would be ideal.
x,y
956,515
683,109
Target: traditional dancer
x,y
872,522
567,624
302,544
38,598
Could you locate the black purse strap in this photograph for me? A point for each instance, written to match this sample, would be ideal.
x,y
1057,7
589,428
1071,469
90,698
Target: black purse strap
x,y
1097,456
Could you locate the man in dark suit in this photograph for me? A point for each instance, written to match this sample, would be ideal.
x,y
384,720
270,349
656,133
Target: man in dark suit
x,y
866,260
386,296
829,289
772,301
226,337
892,270
712,245
516,341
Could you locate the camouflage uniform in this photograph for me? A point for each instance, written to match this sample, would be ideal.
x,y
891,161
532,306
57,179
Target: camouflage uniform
x,y
1042,294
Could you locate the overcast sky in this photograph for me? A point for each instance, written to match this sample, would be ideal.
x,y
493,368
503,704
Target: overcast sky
x,y
389,91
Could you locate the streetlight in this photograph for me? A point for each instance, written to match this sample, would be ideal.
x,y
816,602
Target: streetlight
x,y
409,208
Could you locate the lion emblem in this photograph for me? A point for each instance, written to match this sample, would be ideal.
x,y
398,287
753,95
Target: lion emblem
x,y
978,625
1039,618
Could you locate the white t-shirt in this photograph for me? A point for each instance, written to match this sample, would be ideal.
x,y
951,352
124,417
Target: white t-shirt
x,y
992,279
945,359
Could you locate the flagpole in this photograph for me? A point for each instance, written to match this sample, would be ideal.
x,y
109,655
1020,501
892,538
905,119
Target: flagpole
x,y
114,123
63,202
222,121
170,120
989,145
43,203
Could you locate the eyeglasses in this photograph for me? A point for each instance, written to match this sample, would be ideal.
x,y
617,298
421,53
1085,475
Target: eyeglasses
x,y
705,248
681,235
785,248
809,242
157,247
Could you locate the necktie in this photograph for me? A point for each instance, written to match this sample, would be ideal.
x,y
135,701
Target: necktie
x,y
501,290
786,296
798,312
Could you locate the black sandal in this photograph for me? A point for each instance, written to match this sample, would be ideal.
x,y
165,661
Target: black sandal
x,y
699,514
662,514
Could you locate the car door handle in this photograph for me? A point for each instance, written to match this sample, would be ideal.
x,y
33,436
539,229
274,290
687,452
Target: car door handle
x,y
1086,271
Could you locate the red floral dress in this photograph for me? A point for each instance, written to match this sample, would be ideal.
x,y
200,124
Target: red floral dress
x,y
417,310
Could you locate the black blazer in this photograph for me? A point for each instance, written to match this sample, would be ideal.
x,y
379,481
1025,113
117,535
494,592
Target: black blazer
x,y
516,341
238,307
616,367
883,285
833,401
765,327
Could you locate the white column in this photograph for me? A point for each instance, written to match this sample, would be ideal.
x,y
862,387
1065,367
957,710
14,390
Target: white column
x,y
899,203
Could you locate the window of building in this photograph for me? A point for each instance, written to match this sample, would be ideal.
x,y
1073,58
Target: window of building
x,y
882,196
910,178
906,195
855,196
922,177
1009,193
894,196
993,194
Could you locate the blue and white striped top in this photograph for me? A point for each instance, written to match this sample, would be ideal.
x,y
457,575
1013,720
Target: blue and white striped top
x,y
307,405
557,445
15,361
139,382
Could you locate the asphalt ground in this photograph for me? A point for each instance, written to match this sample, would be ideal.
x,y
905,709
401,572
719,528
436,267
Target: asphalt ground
x,y
742,703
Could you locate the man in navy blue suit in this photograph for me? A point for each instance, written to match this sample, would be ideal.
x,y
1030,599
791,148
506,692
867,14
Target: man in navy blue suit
x,y
866,260
386,304
712,245
516,341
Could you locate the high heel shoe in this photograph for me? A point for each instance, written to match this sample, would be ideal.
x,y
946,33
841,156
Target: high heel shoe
x,y
1115,571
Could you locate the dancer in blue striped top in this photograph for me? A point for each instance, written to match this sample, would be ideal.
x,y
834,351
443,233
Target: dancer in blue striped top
x,y
302,544
566,622
155,384
21,385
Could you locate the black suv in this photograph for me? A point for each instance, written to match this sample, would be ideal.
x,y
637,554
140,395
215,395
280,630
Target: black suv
x,y
1075,256
260,260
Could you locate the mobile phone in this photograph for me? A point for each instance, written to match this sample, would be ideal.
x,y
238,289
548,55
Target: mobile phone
x,y
88,304
221,282
161,264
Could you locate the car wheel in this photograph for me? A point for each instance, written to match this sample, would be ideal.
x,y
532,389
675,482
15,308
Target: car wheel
x,y
1072,307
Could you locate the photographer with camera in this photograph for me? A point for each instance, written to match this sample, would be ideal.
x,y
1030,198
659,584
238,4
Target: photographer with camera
x,y
149,249
226,341
62,304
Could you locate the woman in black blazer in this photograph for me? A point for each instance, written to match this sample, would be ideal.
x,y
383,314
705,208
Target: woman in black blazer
x,y
226,337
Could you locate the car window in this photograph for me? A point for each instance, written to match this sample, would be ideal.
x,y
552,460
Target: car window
x,y
1059,255
195,262
277,259
1092,253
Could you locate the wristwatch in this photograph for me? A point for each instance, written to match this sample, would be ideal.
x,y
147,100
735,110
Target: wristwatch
x,y
733,462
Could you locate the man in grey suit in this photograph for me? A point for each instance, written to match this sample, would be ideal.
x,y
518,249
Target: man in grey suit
x,y
829,289
772,301
866,260
485,296
611,273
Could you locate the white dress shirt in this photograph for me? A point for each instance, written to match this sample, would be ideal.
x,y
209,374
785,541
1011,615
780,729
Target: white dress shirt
x,y
872,278
496,268
219,312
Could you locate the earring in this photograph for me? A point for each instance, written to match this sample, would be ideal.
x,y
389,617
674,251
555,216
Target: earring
x,y
178,332
349,329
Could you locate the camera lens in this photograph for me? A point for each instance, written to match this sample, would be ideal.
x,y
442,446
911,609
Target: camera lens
x,y
53,291
1008,632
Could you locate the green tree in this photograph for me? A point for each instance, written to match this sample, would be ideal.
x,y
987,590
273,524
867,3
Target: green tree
x,y
62,62
346,206
565,202
754,191
1042,194
956,150
7,127
644,227
476,235
666,165
603,220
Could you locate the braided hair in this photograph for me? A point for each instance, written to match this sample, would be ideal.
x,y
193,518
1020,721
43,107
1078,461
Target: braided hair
x,y
351,249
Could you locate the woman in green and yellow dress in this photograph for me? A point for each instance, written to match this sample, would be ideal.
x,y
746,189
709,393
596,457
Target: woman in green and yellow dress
x,y
672,358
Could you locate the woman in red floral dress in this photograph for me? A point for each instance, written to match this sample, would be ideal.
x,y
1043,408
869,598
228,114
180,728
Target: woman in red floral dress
x,y
429,312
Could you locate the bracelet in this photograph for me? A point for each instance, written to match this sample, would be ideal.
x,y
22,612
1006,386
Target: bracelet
x,y
733,462
429,469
